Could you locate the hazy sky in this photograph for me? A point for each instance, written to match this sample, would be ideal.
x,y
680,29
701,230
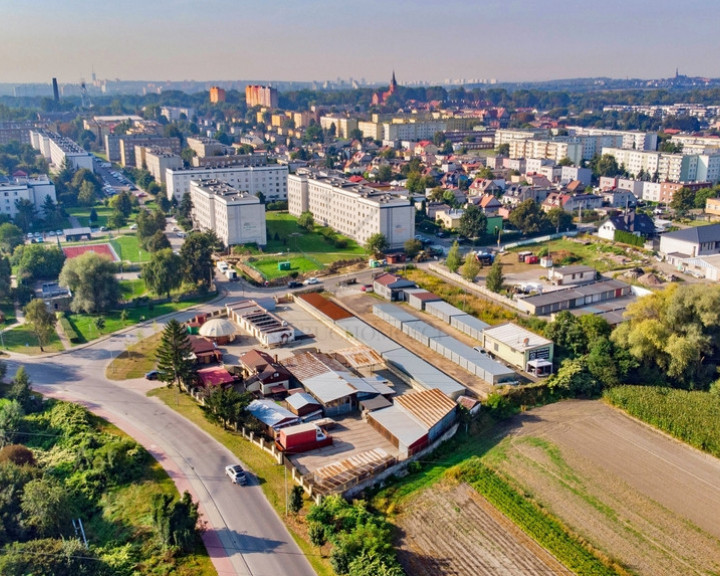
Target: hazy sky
x,y
323,39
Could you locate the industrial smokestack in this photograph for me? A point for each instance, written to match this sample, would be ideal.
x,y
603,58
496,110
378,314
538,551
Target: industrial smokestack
x,y
56,93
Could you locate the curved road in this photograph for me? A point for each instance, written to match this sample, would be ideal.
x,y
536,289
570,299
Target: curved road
x,y
244,535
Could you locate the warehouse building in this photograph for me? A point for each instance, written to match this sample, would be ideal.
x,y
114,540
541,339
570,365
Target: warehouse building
x,y
519,347
577,297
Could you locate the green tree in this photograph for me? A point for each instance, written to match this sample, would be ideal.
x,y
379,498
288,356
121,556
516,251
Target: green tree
x,y
5,278
93,217
384,173
40,321
176,521
683,201
25,214
377,244
196,254
453,259
11,415
567,333
604,165
306,221
47,507
86,195
565,161
473,222
161,273
701,197
52,556
158,241
437,194
471,267
503,150
228,405
495,279
184,212
91,278
122,203
296,499
51,212
116,220
35,262
529,218
412,247
573,378
559,219
11,236
173,355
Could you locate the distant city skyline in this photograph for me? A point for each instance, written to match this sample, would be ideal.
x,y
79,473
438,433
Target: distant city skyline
x,y
318,40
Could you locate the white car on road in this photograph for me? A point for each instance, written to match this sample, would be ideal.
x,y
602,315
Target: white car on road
x,y
237,474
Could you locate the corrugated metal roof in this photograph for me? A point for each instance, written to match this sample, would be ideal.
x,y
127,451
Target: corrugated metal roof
x,y
428,406
300,400
359,356
423,373
423,328
401,425
269,413
394,312
485,362
471,321
443,307
310,364
514,336
574,293
368,335
329,387
325,306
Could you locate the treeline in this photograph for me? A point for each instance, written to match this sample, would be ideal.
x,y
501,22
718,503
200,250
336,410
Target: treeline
x,y
58,463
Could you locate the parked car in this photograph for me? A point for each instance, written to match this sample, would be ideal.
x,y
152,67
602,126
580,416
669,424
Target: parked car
x,y
133,226
58,232
236,474
366,288
181,234
152,375
294,284
310,281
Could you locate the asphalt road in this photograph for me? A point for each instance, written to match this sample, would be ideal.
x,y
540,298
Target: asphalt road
x,y
244,535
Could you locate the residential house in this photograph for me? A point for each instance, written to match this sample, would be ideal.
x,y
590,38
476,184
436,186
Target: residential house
x,y
263,373
432,209
618,198
691,242
204,350
566,275
518,346
632,222
390,286
450,219
517,194
712,206
303,405
488,203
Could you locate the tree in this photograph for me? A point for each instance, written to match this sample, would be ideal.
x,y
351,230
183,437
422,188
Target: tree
x,y
377,244
184,212
196,254
495,279
529,218
59,557
228,405
471,268
683,201
604,165
567,333
384,173
47,507
473,222
173,355
296,499
116,219
175,520
25,214
412,247
86,196
573,378
559,219
40,321
161,273
158,241
11,236
11,415
306,221
91,278
565,161
453,259
93,218
122,202
437,194
701,197
36,262
503,150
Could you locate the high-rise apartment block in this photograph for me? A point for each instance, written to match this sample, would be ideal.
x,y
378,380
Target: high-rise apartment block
x,y
270,180
217,94
355,210
236,217
256,95
34,190
58,149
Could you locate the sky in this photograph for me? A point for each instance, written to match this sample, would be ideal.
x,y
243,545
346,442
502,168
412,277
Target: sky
x,y
304,40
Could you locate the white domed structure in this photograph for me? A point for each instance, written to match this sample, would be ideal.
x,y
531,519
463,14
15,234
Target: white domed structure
x,y
221,330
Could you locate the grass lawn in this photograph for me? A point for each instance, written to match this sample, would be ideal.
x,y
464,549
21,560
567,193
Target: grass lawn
x,y
17,338
135,361
291,237
132,288
270,474
128,248
8,310
84,324
83,214
269,266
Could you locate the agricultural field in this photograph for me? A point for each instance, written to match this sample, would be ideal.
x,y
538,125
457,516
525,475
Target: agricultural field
x,y
602,492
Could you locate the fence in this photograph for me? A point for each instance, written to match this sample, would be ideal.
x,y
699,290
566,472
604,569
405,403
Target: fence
x,y
489,294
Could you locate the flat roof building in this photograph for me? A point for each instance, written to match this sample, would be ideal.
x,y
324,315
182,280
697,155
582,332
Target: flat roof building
x,y
58,149
355,210
271,181
236,217
516,345
34,190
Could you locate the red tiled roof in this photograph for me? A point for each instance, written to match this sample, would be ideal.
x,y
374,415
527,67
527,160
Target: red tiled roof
x,y
386,279
215,376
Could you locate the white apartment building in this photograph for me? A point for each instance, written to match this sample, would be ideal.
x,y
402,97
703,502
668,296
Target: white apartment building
x,y
669,167
352,209
555,150
236,217
158,161
508,136
628,139
203,146
412,130
271,180
56,149
34,190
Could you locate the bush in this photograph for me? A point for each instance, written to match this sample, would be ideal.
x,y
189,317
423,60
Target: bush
x,y
17,454
316,531
68,330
